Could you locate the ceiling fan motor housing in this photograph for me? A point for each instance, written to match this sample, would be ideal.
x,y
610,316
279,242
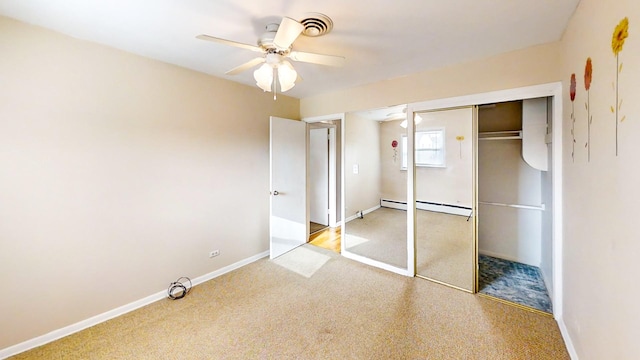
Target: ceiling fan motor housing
x,y
266,39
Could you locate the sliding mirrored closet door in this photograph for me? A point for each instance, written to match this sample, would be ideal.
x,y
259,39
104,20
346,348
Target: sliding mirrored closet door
x,y
375,216
445,242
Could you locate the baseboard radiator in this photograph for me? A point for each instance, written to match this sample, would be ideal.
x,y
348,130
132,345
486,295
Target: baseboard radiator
x,y
428,206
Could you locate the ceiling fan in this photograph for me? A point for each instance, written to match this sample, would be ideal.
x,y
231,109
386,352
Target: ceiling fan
x,y
275,46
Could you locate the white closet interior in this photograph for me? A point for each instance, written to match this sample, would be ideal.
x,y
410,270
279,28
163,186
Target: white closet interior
x,y
514,183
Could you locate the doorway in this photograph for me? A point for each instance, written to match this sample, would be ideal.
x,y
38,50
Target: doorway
x,y
323,184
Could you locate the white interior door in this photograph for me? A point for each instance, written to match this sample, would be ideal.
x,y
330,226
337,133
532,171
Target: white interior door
x,y
319,176
288,163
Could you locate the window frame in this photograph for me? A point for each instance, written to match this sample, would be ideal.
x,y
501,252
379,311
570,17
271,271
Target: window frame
x,y
443,147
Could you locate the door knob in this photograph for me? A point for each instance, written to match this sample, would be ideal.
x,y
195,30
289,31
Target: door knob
x,y
275,192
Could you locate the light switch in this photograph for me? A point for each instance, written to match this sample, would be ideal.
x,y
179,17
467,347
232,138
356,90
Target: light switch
x,y
356,169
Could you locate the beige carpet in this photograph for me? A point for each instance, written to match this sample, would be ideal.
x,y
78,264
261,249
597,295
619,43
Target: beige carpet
x,y
346,310
381,235
444,249
444,243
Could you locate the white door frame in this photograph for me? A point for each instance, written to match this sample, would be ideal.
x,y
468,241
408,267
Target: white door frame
x,y
315,123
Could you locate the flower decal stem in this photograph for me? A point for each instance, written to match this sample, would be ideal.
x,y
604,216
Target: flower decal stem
x,y
460,139
588,74
572,96
620,33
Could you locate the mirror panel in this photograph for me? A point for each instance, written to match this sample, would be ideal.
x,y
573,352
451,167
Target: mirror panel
x,y
444,194
375,224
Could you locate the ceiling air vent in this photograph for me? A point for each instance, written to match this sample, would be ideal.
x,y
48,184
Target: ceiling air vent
x,y
316,24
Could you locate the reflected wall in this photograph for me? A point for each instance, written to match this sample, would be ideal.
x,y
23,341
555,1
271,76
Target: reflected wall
x,y
373,173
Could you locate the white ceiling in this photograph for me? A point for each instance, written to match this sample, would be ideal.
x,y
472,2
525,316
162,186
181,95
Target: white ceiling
x,y
379,38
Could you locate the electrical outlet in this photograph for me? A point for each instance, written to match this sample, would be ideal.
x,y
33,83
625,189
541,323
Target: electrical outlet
x,y
214,253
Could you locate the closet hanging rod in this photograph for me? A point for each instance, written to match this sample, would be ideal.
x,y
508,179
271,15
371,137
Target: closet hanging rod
x,y
517,206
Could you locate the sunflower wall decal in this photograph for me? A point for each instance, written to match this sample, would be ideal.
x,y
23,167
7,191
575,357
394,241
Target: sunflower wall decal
x,y
620,33
588,73
572,96
460,139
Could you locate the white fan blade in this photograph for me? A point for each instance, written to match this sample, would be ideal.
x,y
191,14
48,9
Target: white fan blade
x,y
246,66
230,43
287,33
330,60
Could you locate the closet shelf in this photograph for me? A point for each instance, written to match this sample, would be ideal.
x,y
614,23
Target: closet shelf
x,y
500,135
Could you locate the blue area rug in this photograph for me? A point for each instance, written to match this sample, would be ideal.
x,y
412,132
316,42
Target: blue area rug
x,y
515,282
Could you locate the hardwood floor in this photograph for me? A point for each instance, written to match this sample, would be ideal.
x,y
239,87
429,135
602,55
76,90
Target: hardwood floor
x,y
328,239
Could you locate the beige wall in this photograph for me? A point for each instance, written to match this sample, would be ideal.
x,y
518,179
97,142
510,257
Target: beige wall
x,y
602,247
119,175
362,148
531,66
452,184
393,179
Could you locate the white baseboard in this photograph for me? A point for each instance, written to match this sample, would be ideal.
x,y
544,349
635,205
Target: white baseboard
x,y
81,325
364,212
567,339
422,205
392,204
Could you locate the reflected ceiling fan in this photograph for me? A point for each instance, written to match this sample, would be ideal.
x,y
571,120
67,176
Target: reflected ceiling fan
x,y
275,46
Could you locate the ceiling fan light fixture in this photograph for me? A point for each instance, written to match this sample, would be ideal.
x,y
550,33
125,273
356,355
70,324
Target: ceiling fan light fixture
x,y
264,77
287,76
